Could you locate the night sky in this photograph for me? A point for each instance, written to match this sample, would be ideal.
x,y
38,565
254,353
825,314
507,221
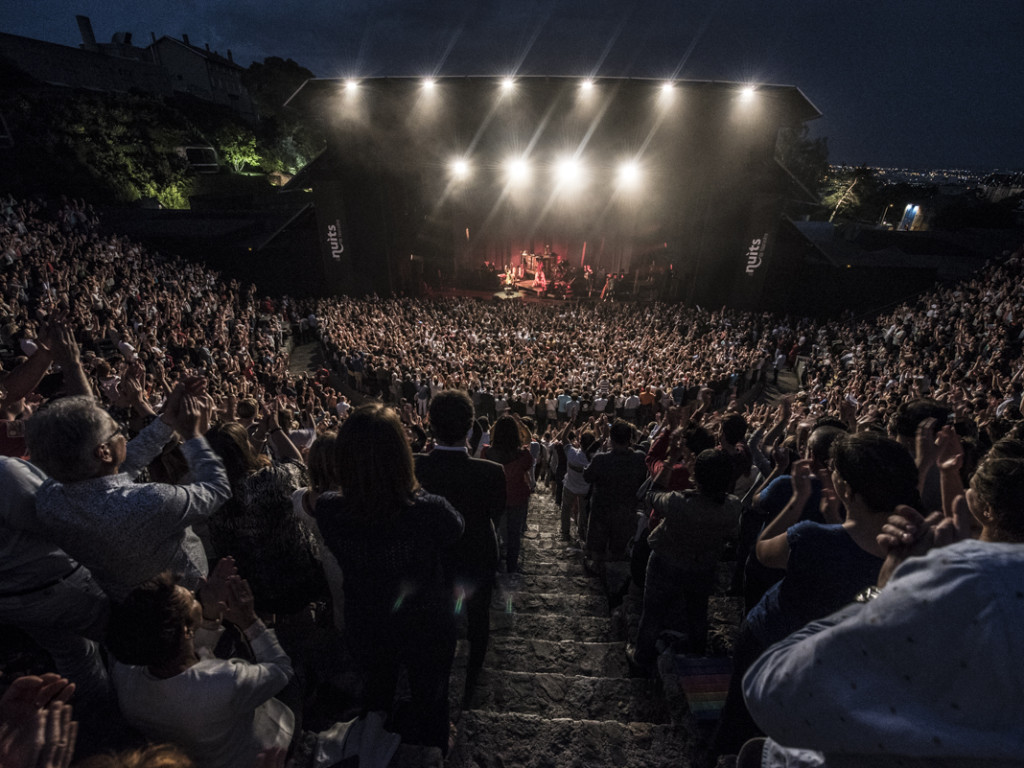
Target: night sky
x,y
913,83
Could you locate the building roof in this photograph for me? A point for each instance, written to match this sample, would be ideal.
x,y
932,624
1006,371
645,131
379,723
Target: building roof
x,y
795,100
201,52
859,247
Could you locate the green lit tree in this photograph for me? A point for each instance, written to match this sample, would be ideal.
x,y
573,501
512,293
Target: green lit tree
x,y
237,146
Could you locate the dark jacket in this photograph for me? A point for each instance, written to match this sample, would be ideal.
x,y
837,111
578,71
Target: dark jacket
x,y
476,488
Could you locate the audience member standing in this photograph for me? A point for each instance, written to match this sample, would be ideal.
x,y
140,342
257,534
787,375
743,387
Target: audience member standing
x,y
476,488
391,540
125,532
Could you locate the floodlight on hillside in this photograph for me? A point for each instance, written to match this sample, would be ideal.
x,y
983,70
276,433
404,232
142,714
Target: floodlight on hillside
x,y
587,85
667,86
351,84
747,92
429,83
507,84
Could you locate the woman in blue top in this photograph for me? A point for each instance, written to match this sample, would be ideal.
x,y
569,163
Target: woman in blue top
x,y
826,565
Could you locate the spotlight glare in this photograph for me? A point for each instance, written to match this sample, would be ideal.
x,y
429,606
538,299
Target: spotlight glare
x,y
629,173
351,84
460,168
507,84
568,169
667,87
518,170
429,83
747,93
587,84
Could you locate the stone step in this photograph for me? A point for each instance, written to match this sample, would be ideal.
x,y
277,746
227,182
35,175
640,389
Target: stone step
x,y
595,629
569,604
561,582
566,657
561,554
494,740
581,698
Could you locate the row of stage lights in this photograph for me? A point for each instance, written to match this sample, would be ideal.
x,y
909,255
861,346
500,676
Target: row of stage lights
x,y
508,84
566,170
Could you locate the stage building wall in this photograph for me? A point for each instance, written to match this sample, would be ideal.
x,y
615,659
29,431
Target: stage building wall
x,y
702,193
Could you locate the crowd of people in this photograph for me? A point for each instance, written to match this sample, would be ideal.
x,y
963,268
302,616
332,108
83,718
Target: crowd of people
x,y
183,512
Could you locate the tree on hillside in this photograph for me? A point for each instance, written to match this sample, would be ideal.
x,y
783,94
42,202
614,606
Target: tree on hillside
x,y
846,191
285,141
271,82
804,157
237,146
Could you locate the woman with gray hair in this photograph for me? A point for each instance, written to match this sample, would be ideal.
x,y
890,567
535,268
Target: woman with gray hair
x,y
125,532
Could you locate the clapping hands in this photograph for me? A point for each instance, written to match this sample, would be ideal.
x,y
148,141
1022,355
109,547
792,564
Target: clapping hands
x,y
36,729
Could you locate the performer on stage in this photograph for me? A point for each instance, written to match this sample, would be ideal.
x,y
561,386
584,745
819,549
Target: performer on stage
x,y
540,281
609,287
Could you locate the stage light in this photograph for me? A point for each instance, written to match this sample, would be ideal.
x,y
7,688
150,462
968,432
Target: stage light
x,y
429,83
507,84
587,84
629,173
518,170
569,170
351,84
460,168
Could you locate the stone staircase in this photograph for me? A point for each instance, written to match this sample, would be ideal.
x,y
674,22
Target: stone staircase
x,y
555,689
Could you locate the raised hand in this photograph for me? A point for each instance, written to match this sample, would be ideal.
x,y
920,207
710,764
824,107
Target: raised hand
x,y
214,590
36,729
239,610
907,533
949,453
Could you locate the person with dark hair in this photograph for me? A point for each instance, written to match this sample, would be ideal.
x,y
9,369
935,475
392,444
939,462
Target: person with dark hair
x,y
320,462
826,564
392,541
258,526
170,687
911,417
575,489
685,549
614,477
758,578
507,448
733,440
841,692
476,488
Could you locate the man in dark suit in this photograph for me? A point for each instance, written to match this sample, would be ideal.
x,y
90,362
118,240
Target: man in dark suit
x,y
476,488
